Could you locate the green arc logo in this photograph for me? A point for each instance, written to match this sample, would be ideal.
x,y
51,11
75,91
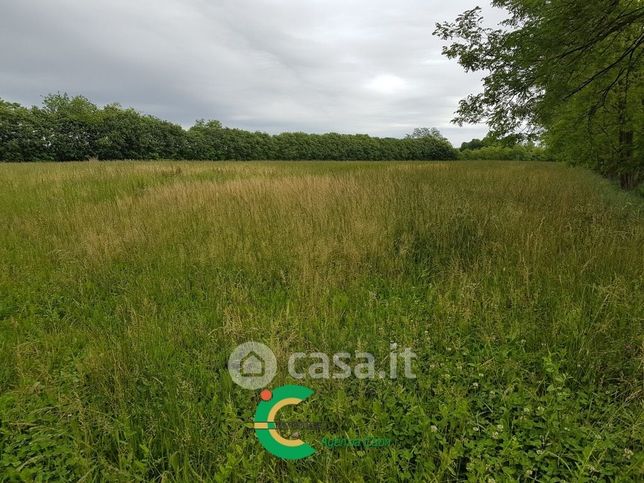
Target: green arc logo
x,y
266,429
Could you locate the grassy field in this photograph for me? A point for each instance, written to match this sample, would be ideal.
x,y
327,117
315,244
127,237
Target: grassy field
x,y
124,287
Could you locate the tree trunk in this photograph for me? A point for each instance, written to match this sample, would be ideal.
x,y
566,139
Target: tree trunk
x,y
627,177
625,164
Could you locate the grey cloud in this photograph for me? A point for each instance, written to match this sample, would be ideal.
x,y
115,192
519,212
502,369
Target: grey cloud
x,y
271,65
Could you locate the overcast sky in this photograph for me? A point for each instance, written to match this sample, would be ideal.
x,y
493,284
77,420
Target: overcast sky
x,y
362,66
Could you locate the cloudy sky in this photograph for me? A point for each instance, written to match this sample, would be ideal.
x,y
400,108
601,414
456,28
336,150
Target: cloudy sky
x,y
362,66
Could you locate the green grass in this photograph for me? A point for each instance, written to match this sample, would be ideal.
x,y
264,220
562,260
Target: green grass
x,y
125,286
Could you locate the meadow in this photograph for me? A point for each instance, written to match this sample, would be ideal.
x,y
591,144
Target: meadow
x,y
124,286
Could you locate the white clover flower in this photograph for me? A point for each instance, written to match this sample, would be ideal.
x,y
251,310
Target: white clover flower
x,y
475,384
628,453
434,428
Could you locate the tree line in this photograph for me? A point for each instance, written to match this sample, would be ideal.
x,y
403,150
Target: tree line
x,y
569,73
69,128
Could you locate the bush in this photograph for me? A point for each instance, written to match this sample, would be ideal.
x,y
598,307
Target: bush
x,y
505,153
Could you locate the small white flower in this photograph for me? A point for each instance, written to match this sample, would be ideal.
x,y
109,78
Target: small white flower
x,y
495,435
528,472
434,428
628,453
475,384
480,374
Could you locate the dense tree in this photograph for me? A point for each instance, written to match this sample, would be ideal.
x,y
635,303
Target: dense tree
x,y
514,147
570,70
22,133
72,128
498,152
473,144
426,132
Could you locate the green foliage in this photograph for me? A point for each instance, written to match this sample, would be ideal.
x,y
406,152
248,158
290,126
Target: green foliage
x,y
72,128
37,441
126,134
426,132
23,133
125,286
571,70
597,140
473,144
505,153
506,148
